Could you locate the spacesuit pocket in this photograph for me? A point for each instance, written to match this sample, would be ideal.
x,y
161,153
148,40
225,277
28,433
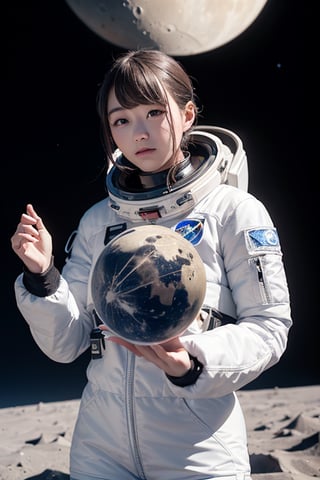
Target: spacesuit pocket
x,y
269,282
200,412
260,290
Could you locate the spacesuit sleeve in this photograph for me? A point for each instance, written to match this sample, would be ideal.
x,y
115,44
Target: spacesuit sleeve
x,y
59,322
234,355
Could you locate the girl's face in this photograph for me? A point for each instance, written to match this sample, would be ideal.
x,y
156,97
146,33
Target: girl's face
x,y
143,133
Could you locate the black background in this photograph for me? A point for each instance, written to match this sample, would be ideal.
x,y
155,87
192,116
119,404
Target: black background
x,y
256,85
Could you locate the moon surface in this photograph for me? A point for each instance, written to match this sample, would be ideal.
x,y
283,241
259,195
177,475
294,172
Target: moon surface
x,y
179,27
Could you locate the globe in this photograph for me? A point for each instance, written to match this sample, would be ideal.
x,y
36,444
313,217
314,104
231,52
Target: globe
x,y
148,284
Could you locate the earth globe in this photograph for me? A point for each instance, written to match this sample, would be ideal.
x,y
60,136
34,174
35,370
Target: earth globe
x,y
148,284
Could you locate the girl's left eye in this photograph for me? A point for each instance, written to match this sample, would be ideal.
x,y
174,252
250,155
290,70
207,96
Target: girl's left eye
x,y
155,113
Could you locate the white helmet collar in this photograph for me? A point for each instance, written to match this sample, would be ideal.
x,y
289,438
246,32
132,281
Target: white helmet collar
x,y
217,157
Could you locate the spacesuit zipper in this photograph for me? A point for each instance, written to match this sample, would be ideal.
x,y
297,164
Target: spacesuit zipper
x,y
131,416
262,284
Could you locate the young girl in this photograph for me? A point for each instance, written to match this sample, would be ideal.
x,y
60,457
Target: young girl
x,y
168,411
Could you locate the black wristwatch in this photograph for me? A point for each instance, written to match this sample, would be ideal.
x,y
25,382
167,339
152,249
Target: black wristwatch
x,y
191,376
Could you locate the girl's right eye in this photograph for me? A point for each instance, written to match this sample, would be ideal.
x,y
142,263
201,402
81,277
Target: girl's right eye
x,y
119,122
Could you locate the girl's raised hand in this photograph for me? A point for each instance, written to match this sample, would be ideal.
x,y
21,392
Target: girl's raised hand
x,y
32,242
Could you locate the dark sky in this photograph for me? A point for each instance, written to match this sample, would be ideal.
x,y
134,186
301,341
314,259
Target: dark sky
x,y
257,85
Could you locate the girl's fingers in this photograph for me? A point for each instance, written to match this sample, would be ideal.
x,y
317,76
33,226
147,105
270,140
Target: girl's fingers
x,y
128,345
31,211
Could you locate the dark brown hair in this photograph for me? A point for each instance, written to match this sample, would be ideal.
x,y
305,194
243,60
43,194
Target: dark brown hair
x,y
142,77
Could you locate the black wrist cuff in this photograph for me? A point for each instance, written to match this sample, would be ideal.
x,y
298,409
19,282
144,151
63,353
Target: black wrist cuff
x,y
191,376
42,284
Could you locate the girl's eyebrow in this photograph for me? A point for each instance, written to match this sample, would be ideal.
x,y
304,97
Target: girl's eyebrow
x,y
116,109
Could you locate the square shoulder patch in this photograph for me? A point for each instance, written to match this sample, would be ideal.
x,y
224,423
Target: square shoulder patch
x,y
262,239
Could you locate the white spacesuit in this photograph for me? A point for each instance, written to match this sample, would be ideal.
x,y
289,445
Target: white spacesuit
x,y
134,421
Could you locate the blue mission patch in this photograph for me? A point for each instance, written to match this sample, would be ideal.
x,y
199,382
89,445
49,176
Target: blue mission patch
x,y
191,229
263,238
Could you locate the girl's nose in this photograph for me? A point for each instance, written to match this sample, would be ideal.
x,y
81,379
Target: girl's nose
x,y
141,133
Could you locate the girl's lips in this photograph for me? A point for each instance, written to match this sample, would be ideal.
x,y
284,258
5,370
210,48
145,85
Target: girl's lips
x,y
143,151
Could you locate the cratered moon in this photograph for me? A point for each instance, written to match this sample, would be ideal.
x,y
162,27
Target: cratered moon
x,y
177,27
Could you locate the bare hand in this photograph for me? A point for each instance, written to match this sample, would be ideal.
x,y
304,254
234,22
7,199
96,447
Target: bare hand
x,y
32,242
170,356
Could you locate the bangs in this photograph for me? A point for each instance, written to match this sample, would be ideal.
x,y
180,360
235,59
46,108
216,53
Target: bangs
x,y
143,77
134,85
